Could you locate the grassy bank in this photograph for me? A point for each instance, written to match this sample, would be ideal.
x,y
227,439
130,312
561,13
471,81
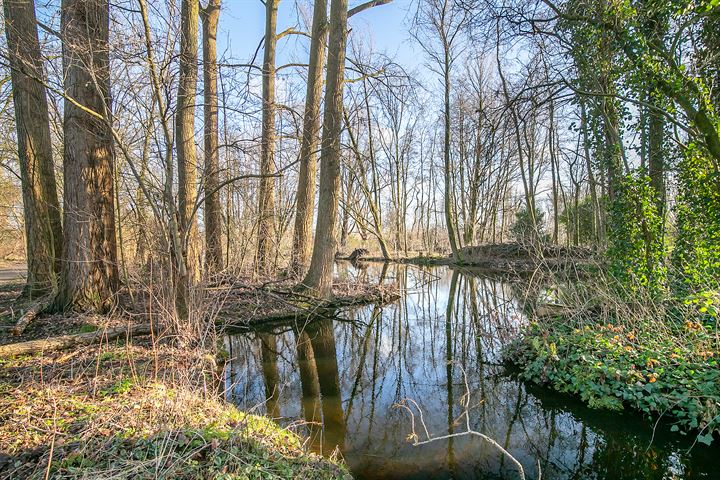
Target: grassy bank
x,y
132,409
99,413
660,368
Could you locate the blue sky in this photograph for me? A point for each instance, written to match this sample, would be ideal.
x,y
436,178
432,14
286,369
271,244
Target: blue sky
x,y
242,26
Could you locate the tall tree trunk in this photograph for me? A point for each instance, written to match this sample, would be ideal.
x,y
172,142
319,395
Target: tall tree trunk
x,y
598,224
309,143
188,267
554,170
612,143
656,123
319,276
266,203
89,273
471,223
43,230
211,177
449,197
656,157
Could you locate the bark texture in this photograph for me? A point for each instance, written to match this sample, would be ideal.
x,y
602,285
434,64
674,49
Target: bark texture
x,y
309,142
43,230
319,276
89,269
211,177
188,270
266,204
64,342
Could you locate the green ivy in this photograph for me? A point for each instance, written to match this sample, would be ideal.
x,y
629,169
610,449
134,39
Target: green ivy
x,y
636,243
613,367
696,256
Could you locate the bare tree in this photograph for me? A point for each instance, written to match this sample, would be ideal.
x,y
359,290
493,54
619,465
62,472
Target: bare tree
x,y
189,271
444,20
319,276
309,142
266,201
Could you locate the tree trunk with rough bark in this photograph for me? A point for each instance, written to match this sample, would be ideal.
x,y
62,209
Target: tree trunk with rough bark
x,y
211,177
89,271
309,143
188,267
319,276
43,229
266,201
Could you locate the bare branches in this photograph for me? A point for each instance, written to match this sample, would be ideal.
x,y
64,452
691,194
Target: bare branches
x,y
409,404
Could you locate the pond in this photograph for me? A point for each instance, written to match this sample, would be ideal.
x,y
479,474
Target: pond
x,y
341,383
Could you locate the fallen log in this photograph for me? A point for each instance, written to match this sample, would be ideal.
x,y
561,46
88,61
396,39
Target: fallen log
x,y
31,314
68,341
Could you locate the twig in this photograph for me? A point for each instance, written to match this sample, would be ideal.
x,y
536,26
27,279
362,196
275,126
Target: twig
x,y
465,400
52,441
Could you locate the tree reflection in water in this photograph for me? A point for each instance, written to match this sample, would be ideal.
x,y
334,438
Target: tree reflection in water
x,y
348,375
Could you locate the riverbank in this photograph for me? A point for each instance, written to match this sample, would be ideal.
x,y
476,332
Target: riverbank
x,y
665,369
117,419
150,406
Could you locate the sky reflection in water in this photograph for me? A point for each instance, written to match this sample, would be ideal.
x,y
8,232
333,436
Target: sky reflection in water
x,y
349,376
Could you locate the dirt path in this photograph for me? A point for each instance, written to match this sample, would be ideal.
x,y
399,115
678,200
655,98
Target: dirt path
x,y
10,272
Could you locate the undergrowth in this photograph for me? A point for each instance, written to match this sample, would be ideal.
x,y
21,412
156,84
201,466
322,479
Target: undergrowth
x,y
661,368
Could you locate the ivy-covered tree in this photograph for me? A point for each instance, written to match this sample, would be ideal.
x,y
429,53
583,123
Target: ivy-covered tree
x,y
636,250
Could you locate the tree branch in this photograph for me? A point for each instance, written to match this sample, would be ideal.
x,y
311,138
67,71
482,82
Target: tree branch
x,y
364,6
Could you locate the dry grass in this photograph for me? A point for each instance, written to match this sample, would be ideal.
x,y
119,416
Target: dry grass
x,y
149,407
137,411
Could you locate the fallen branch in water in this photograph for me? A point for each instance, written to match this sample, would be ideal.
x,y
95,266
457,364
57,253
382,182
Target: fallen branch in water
x,y
251,309
465,401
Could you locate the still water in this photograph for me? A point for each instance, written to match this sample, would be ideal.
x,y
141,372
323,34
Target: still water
x,y
340,382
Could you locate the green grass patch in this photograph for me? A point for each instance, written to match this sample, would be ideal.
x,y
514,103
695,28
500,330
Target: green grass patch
x,y
87,328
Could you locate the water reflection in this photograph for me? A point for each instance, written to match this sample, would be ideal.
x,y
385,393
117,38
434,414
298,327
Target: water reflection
x,y
344,378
